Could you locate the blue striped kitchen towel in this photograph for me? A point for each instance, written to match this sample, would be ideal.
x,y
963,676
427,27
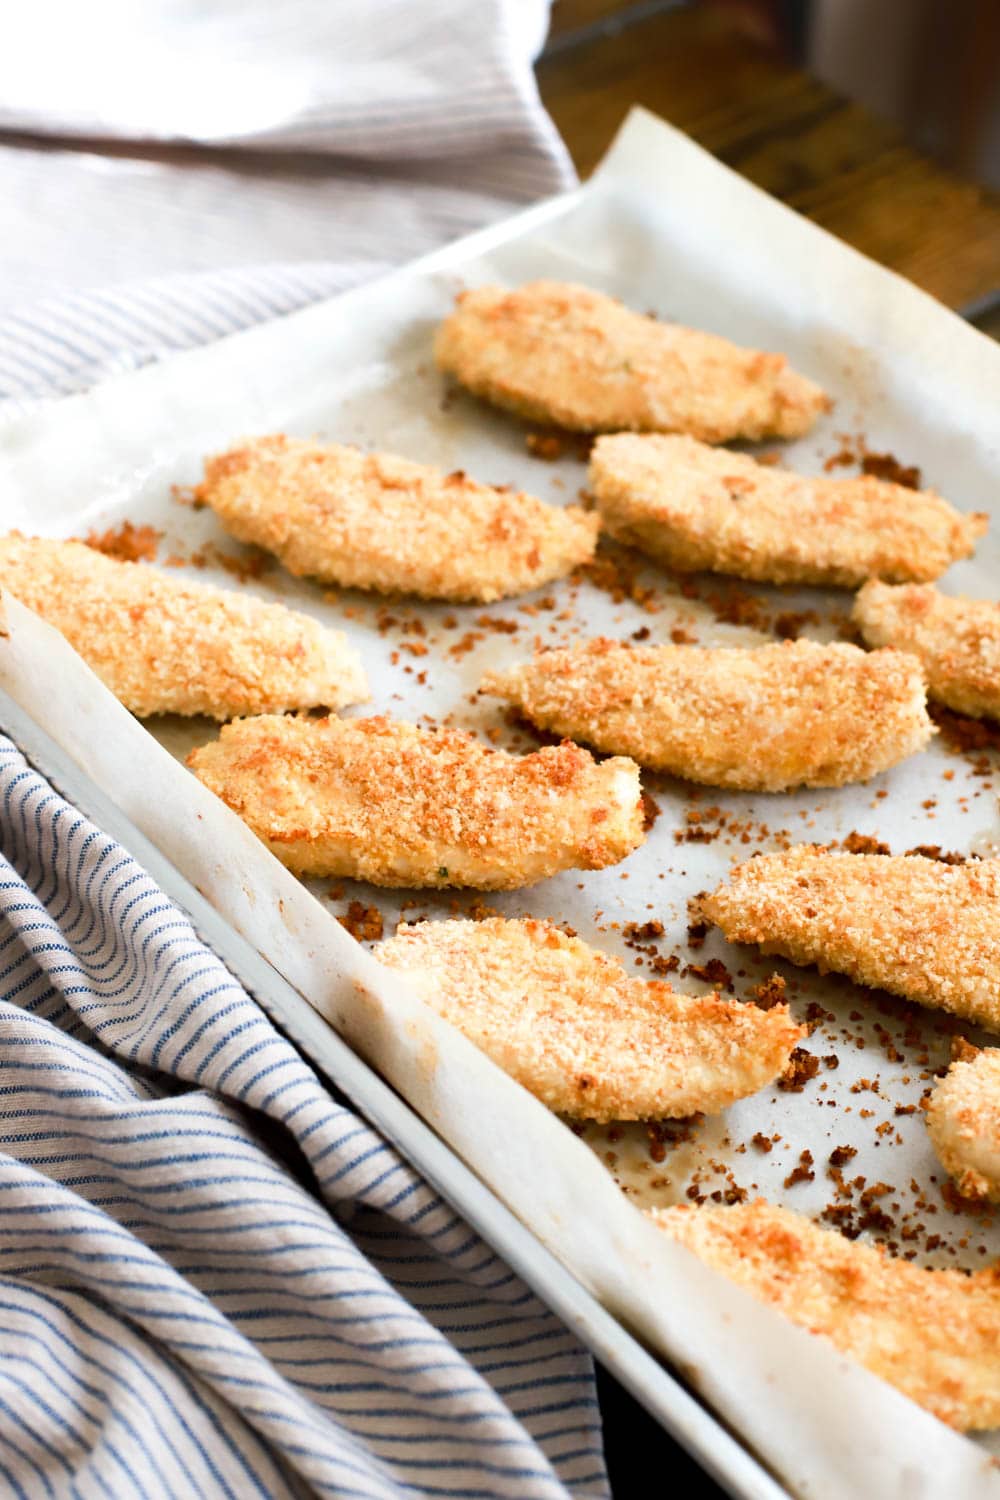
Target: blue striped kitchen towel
x,y
214,1279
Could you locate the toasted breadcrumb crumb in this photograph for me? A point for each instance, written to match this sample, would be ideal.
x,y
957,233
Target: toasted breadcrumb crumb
x,y
563,354
363,922
570,1024
556,443
802,1067
399,805
888,466
126,542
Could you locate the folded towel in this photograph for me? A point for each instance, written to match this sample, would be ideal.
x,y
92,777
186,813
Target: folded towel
x,y
386,78
302,148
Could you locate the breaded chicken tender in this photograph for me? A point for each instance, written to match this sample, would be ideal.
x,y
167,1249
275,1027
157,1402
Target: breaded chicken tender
x,y
564,354
375,521
578,1031
957,640
963,1122
934,1335
697,508
164,646
764,719
380,800
923,929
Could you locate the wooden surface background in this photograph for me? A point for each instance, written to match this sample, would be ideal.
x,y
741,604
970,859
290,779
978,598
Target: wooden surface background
x,y
703,69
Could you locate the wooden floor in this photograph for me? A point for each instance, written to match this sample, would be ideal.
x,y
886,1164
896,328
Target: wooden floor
x,y
828,158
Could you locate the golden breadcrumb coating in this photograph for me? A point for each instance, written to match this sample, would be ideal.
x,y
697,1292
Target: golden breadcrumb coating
x,y
963,1121
561,353
385,801
934,1335
957,640
693,507
923,929
578,1031
764,719
165,646
374,521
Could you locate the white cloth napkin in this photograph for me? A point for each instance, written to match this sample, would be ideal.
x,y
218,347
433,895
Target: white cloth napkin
x,y
306,145
361,78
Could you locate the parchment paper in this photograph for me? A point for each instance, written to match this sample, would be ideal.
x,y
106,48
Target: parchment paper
x,y
668,229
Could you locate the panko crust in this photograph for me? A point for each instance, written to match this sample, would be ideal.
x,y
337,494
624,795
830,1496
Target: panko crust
x,y
763,719
399,805
163,645
375,521
560,353
963,1122
923,929
932,1334
578,1031
697,508
956,639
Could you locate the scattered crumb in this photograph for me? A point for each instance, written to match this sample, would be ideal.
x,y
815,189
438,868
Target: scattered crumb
x,y
802,1066
362,922
555,442
770,992
863,843
803,1172
886,466
126,543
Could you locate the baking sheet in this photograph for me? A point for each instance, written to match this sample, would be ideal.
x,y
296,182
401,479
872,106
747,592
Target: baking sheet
x,y
668,229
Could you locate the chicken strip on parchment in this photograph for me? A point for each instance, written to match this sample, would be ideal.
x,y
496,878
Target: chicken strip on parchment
x,y
580,1032
926,930
932,1334
963,1121
400,805
697,508
167,646
564,354
763,719
375,521
956,639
